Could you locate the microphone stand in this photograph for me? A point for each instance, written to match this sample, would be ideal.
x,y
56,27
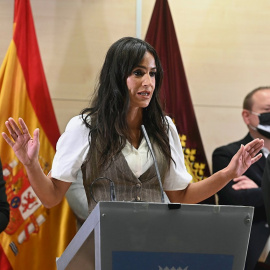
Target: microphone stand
x,y
155,162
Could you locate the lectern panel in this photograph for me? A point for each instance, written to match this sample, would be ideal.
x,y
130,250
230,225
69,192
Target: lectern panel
x,y
158,236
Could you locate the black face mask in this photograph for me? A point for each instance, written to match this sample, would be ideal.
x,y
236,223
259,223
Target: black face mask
x,y
264,127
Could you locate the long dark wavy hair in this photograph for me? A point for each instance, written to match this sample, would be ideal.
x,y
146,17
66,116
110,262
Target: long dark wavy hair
x,y
109,108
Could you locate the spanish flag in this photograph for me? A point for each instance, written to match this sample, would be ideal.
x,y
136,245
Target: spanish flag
x,y
35,236
175,94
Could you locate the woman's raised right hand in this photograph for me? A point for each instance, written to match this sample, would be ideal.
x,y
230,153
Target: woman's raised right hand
x,y
24,146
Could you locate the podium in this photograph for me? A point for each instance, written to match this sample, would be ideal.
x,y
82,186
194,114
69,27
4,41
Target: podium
x,y
146,236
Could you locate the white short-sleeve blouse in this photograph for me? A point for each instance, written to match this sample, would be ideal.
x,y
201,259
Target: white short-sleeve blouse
x,y
73,145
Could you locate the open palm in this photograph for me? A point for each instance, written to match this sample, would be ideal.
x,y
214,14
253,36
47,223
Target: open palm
x,y
245,157
24,146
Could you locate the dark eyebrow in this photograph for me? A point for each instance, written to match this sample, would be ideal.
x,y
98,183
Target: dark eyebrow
x,y
139,66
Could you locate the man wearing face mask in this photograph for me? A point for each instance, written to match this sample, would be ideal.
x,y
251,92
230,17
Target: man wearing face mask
x,y
246,189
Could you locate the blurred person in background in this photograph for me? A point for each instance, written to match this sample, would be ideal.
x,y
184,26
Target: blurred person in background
x,y
246,189
4,205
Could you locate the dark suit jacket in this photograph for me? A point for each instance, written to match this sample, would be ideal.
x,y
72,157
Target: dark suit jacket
x,y
4,206
266,188
249,197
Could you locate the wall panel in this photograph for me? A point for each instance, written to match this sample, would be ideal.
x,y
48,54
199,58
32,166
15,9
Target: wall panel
x,y
224,46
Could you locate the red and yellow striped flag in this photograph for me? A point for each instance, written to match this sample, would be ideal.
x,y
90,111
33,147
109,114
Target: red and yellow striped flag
x,y
35,236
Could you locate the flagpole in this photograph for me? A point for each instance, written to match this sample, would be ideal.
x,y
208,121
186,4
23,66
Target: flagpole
x,y
139,18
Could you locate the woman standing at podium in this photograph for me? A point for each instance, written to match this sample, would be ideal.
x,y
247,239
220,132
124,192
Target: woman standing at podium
x,y
105,145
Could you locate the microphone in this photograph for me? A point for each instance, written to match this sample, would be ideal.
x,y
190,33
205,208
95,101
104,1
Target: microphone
x,y
112,188
155,162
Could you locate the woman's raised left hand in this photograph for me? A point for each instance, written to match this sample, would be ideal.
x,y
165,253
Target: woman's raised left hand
x,y
245,157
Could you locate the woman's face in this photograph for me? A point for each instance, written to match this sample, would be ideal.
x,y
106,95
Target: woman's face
x,y
141,82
